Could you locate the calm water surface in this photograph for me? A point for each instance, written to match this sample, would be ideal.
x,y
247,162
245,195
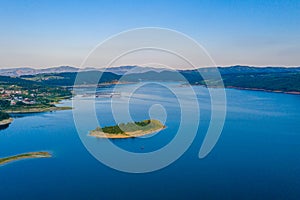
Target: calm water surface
x,y
257,155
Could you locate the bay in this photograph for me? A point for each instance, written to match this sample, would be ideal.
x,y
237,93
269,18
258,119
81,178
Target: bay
x,y
257,155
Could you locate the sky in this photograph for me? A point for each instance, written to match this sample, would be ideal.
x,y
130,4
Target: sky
x,y
46,33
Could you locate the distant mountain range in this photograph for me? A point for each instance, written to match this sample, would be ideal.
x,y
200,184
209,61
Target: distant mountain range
x,y
31,71
16,72
133,70
274,79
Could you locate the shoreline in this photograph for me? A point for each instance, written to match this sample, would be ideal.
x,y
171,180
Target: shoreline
x,y
227,87
99,84
139,133
253,89
6,121
264,90
37,110
22,156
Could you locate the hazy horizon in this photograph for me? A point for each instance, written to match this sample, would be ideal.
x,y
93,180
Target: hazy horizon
x,y
150,66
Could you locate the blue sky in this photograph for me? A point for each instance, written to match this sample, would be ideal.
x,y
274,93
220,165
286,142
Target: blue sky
x,y
50,33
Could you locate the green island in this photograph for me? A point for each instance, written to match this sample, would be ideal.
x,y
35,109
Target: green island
x,y
24,156
128,130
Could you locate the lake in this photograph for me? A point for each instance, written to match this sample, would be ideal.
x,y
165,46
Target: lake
x,y
256,157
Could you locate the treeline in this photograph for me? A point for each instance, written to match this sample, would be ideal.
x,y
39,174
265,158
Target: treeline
x,y
69,78
286,82
268,78
121,128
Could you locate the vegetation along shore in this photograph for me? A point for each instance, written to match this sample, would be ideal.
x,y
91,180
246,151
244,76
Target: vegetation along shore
x,y
24,156
128,130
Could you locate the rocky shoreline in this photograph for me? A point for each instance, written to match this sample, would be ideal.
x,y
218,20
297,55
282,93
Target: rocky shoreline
x,y
6,121
100,134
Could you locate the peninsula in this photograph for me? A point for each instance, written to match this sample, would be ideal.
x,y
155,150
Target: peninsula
x,y
24,156
128,130
26,96
6,122
5,119
23,110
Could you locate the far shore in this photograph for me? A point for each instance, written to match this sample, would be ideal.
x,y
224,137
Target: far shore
x,y
264,90
229,87
139,133
101,84
254,89
24,156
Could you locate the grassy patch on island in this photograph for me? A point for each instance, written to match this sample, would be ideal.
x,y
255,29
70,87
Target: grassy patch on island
x,y
24,156
127,130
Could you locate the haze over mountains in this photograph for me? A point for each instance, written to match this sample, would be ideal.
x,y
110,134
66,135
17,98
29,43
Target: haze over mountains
x,y
275,79
16,72
116,70
31,71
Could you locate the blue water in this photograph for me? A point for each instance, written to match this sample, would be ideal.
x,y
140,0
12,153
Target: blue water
x,y
256,157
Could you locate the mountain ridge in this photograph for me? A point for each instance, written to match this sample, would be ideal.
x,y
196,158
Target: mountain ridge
x,y
121,70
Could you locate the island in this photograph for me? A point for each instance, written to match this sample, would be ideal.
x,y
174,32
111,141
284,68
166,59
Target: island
x,y
24,156
128,130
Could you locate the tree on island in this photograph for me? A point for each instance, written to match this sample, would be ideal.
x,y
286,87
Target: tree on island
x,y
121,128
